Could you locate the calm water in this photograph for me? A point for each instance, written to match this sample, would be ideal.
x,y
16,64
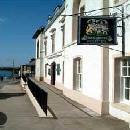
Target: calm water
x,y
4,73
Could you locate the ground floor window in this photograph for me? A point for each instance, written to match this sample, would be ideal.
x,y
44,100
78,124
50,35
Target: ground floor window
x,y
77,73
63,67
45,70
125,79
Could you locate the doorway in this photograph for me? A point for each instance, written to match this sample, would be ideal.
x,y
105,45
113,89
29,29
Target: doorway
x,y
53,73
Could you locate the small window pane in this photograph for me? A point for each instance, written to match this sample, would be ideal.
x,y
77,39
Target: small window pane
x,y
78,73
116,1
127,94
129,71
58,69
128,62
127,82
124,71
124,62
82,10
49,71
79,66
80,80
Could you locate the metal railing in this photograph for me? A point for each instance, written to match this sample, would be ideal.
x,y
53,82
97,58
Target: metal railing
x,y
40,95
24,78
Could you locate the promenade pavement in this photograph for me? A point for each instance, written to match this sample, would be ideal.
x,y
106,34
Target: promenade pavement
x,y
74,116
18,113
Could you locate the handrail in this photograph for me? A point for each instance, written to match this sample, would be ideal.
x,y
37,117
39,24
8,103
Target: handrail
x,y
24,78
40,95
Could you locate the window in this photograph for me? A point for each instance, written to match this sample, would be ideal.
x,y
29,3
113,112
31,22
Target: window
x,y
78,73
38,49
125,79
63,67
53,42
25,68
116,1
63,34
49,72
45,70
82,10
45,48
58,69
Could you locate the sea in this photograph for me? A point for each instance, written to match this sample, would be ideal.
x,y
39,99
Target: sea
x,y
7,76
4,73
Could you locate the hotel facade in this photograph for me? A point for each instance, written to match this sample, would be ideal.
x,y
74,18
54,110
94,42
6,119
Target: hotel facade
x,y
95,76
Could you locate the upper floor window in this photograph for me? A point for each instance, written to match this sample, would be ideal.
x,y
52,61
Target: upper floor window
x,y
53,42
45,43
45,70
38,49
53,32
116,1
78,73
82,10
63,36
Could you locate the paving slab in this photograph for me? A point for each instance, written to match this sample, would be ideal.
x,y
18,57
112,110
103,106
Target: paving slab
x,y
76,115
19,113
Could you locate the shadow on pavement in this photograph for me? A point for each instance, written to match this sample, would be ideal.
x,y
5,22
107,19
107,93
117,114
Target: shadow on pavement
x,y
3,119
53,114
9,95
1,86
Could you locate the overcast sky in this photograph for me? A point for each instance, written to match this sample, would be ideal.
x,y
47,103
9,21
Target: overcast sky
x,y
19,20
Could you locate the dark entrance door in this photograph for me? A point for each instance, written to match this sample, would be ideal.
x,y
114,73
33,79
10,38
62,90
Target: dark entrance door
x,y
53,71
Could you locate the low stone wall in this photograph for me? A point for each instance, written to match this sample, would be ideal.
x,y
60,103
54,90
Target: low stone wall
x,y
34,101
23,84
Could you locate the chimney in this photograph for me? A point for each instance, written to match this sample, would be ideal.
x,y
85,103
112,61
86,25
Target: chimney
x,y
49,18
57,9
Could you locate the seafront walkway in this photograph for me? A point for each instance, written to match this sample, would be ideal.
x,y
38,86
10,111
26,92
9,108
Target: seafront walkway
x,y
17,112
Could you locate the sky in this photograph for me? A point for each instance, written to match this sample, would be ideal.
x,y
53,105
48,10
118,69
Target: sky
x,y
19,19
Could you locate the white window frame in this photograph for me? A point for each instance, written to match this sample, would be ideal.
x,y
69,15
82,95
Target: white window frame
x,y
79,73
46,69
45,44
38,49
116,1
123,79
53,42
63,36
82,10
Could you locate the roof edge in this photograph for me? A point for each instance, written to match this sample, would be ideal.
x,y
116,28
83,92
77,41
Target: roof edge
x,y
36,34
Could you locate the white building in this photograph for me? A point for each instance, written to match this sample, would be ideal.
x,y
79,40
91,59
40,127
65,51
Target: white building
x,y
39,54
119,68
92,75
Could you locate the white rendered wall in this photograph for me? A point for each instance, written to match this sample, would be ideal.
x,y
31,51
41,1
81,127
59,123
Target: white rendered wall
x,y
114,111
58,48
91,69
39,61
91,56
37,69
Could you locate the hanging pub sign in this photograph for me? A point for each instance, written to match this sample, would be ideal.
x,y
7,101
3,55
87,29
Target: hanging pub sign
x,y
97,30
